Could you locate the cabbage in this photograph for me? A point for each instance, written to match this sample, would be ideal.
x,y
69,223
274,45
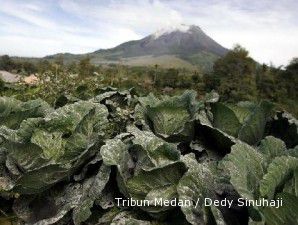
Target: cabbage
x,y
69,165
44,151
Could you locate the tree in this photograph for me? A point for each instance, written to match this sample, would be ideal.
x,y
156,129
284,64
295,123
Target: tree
x,y
211,82
6,63
167,78
43,66
85,67
267,86
28,67
236,71
290,78
196,77
59,60
2,85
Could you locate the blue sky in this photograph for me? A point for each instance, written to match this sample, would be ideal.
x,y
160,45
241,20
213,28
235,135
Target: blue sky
x,y
268,29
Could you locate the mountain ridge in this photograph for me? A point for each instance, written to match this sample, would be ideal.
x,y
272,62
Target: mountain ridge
x,y
189,45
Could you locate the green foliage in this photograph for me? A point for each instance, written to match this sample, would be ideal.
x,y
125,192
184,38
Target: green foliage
x,y
267,171
85,68
200,182
67,165
52,146
2,85
236,70
245,120
170,117
235,76
24,67
6,63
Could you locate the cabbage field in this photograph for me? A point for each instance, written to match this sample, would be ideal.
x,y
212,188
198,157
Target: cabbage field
x,y
73,163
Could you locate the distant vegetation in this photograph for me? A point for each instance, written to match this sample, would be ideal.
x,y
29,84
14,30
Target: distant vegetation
x,y
236,77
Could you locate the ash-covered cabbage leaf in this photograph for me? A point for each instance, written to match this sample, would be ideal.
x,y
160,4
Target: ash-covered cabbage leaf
x,y
197,184
120,105
148,167
44,151
13,111
171,118
245,121
71,202
263,172
287,214
205,181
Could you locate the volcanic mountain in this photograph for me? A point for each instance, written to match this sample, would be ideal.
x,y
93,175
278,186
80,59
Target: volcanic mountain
x,y
178,46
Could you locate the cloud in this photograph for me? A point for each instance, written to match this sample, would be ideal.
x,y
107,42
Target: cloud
x,y
141,16
37,28
25,12
32,32
268,29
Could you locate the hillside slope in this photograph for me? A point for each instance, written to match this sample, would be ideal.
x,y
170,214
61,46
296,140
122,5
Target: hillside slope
x,y
180,46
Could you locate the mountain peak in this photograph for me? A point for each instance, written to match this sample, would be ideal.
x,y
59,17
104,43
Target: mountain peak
x,y
174,46
183,28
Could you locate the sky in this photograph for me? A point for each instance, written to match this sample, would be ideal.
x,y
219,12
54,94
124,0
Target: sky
x,y
268,29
